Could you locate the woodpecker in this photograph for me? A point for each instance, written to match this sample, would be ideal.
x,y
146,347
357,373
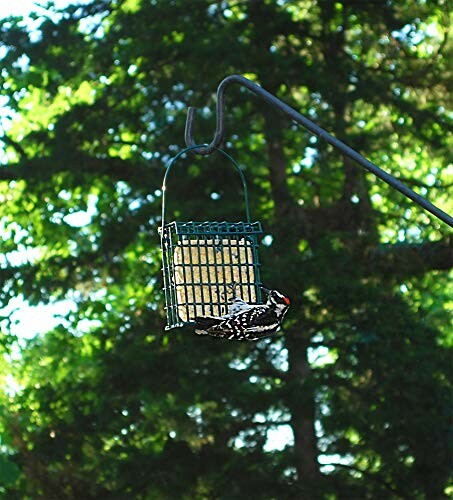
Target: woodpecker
x,y
245,321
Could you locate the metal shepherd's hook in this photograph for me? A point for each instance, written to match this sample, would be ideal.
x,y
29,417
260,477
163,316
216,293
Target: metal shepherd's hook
x,y
312,127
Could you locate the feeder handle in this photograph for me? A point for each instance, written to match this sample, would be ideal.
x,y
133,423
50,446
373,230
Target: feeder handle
x,y
226,155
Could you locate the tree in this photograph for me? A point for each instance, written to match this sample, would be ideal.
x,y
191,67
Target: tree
x,y
113,406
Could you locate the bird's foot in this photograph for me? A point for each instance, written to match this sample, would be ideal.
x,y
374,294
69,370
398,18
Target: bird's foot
x,y
224,295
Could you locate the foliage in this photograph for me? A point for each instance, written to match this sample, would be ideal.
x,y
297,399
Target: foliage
x,y
109,404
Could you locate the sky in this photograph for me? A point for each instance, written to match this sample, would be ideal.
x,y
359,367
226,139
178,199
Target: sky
x,y
17,8
24,7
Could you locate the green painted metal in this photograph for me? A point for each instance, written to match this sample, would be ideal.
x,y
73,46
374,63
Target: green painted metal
x,y
202,260
226,155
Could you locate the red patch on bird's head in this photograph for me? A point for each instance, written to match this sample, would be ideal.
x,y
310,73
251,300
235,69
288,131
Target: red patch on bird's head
x,y
287,301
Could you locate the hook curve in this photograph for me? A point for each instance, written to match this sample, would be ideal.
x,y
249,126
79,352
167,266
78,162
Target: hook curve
x,y
220,113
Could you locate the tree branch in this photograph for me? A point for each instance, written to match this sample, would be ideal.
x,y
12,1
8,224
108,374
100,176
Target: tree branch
x,y
11,142
7,175
368,474
114,167
411,258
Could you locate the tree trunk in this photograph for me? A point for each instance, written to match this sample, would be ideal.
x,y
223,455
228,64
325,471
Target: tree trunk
x,y
300,393
302,406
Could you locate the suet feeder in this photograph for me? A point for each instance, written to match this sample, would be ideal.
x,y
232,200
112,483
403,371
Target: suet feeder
x,y
206,263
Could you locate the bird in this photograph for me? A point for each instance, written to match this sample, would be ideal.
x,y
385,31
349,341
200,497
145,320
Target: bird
x,y
245,321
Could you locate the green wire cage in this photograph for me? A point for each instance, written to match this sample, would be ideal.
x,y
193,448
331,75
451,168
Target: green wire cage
x,y
206,264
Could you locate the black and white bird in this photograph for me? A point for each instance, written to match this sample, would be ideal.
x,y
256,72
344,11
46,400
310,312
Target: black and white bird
x,y
245,321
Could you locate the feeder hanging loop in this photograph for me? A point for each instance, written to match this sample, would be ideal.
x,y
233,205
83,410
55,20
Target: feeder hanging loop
x,y
312,127
225,155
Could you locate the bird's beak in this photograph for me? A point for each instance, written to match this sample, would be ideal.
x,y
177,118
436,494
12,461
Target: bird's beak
x,y
265,290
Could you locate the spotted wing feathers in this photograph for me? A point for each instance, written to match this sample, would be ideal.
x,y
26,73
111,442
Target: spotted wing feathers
x,y
252,323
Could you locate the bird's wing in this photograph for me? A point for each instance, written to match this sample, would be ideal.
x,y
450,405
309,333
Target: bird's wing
x,y
264,322
262,316
208,321
256,316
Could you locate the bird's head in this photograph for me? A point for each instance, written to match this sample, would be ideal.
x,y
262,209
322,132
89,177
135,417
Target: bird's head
x,y
276,299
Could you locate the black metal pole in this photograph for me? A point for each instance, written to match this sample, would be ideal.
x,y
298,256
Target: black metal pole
x,y
312,127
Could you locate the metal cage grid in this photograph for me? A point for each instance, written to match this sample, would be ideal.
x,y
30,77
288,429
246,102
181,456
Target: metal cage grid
x,y
206,264
201,263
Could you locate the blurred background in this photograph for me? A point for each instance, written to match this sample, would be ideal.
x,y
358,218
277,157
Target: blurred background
x,y
352,400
